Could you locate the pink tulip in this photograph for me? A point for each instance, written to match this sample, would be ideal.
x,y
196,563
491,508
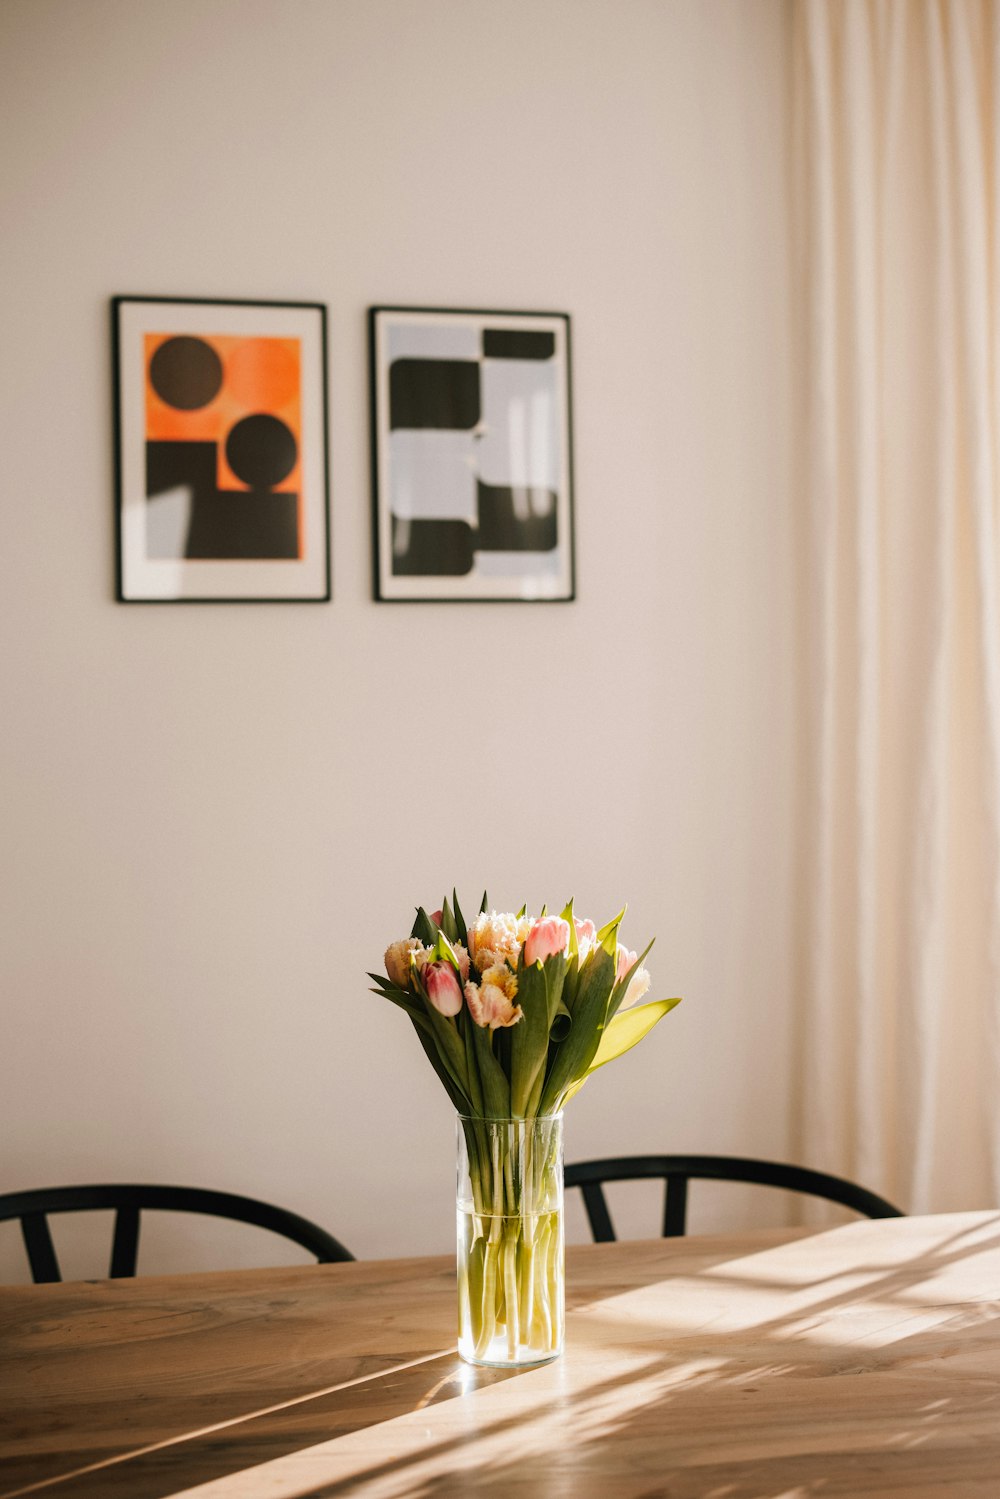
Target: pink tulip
x,y
625,961
548,936
436,917
586,931
637,986
443,989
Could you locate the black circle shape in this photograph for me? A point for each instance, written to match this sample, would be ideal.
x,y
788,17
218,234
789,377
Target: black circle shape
x,y
186,373
261,451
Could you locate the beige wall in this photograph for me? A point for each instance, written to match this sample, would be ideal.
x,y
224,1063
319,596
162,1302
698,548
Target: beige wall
x,y
216,817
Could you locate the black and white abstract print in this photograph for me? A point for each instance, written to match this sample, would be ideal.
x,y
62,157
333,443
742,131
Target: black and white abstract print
x,y
472,429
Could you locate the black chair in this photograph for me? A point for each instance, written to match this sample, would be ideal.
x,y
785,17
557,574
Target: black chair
x,y
128,1201
677,1170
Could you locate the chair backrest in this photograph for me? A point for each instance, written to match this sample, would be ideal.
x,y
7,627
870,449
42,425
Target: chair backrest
x,y
129,1200
677,1170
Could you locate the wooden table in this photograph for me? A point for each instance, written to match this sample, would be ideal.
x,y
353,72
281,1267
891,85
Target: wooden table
x,y
860,1361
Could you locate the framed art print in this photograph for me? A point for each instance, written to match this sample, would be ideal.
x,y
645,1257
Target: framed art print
x,y
221,450
471,454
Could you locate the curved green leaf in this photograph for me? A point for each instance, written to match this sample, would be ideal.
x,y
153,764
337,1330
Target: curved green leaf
x,y
628,1028
621,1033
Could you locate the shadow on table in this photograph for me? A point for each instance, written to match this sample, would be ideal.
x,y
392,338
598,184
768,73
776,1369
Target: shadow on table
x,y
916,1441
663,1420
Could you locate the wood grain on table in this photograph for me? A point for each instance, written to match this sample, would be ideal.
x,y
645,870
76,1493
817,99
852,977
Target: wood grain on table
x,y
857,1361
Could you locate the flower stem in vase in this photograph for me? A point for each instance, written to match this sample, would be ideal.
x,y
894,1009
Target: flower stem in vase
x,y
510,1243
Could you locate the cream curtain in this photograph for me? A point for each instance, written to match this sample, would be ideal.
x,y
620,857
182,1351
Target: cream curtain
x,y
898,188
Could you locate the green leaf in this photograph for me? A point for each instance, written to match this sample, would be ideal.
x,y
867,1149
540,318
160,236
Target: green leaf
x,y
463,930
574,945
496,1089
385,984
401,997
424,928
485,905
535,1097
629,1028
612,925
466,1026
522,912
455,1093
445,953
529,1039
539,993
622,1033
574,1055
556,969
571,984
448,923
561,1022
607,935
450,1048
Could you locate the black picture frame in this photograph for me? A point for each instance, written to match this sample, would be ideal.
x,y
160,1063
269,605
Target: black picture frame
x,y
221,450
471,455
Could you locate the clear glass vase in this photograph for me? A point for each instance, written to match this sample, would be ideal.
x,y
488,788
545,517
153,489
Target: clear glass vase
x,y
511,1260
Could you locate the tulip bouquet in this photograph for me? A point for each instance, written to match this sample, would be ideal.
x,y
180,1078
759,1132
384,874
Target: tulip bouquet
x,y
514,1013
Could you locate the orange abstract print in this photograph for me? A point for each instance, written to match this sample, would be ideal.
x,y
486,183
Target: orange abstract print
x,y
259,376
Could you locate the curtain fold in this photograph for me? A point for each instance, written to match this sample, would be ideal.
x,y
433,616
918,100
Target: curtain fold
x,y
898,136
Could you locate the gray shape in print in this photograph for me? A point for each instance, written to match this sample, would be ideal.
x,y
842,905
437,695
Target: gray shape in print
x,y
519,442
433,341
518,564
168,520
433,475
